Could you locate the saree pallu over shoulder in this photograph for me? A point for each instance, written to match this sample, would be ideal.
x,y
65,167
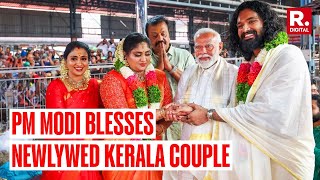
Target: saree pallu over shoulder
x,y
126,90
58,97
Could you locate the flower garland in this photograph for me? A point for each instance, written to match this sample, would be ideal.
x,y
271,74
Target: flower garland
x,y
153,95
248,73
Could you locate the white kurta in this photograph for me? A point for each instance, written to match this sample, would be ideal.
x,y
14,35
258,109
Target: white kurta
x,y
276,121
211,88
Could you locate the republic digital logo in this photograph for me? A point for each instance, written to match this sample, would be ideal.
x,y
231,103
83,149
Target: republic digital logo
x,y
299,20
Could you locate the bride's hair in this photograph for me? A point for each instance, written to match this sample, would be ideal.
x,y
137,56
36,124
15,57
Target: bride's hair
x,y
132,40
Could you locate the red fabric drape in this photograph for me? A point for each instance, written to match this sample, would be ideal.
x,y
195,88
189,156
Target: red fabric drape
x,y
57,96
115,93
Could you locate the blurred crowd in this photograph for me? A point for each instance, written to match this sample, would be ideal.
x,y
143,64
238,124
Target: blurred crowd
x,y
26,73
44,56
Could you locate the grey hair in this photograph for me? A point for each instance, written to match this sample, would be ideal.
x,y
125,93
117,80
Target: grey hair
x,y
205,31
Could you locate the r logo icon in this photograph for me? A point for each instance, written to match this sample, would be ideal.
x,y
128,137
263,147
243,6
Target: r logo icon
x,y
299,20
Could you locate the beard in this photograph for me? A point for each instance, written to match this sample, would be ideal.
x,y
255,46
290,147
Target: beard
x,y
208,63
247,46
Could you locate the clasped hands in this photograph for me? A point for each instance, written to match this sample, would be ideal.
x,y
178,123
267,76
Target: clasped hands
x,y
164,63
191,113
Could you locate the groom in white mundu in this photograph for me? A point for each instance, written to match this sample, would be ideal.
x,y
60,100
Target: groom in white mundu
x,y
271,128
211,83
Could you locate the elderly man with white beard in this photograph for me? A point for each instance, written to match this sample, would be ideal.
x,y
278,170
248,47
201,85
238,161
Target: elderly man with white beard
x,y
210,83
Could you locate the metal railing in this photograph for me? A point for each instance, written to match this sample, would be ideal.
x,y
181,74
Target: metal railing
x,y
21,91
235,61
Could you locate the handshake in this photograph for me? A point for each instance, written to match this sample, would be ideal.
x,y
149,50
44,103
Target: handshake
x,y
191,113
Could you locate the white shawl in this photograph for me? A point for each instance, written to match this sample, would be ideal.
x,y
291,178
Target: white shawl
x,y
277,116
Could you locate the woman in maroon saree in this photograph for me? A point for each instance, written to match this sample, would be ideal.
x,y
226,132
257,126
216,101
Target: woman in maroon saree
x,y
74,89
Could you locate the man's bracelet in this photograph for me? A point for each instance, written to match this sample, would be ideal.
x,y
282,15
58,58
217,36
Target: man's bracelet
x,y
174,69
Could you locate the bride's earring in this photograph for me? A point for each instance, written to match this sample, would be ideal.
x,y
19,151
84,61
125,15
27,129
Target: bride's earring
x,y
126,62
63,69
87,75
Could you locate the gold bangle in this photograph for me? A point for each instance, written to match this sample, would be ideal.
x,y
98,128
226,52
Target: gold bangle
x,y
162,128
162,113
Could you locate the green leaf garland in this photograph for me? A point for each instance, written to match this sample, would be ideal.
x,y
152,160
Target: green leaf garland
x,y
281,38
118,64
242,91
140,97
154,94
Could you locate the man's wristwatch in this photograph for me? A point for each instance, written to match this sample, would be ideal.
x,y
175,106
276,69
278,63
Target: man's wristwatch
x,y
209,114
174,69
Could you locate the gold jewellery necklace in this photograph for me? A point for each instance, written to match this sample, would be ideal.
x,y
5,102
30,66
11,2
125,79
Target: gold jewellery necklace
x,y
74,85
141,76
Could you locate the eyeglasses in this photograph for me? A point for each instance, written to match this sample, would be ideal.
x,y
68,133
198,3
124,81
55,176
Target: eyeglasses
x,y
209,47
